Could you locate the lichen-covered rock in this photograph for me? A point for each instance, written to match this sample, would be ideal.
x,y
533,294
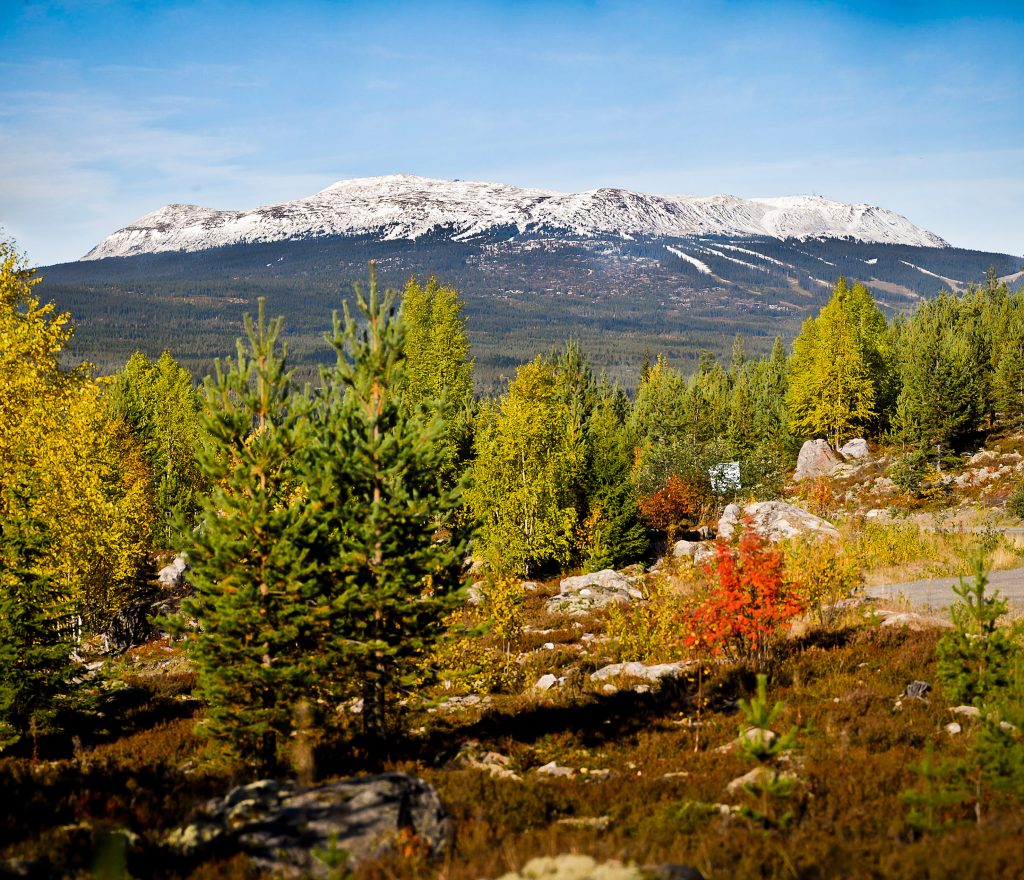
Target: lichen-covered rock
x,y
773,520
580,867
280,825
816,459
587,592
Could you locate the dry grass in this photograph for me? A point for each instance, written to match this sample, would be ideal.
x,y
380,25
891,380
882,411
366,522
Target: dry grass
x,y
912,549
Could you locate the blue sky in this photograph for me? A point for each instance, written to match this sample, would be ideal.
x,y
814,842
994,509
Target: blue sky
x,y
110,110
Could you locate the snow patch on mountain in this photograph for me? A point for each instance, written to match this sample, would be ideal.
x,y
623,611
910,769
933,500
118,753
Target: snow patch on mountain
x,y
404,206
738,262
767,259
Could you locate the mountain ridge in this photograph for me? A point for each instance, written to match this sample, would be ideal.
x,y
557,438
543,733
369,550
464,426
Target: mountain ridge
x,y
403,206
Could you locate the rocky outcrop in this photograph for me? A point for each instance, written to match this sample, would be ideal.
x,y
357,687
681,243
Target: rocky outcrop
x,y
588,592
286,829
774,520
816,459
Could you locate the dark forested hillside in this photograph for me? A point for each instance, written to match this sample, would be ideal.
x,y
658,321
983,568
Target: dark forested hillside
x,y
523,293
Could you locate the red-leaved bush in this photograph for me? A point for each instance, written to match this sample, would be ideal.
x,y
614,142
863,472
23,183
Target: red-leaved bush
x,y
749,604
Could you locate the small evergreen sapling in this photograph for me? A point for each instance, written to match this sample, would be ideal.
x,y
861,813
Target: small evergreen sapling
x,y
939,796
980,663
976,658
771,788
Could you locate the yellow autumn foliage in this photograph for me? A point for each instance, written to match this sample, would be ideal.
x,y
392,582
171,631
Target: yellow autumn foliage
x,y
63,463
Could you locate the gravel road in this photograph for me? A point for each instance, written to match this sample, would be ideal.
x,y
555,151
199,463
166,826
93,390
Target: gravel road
x,y
938,593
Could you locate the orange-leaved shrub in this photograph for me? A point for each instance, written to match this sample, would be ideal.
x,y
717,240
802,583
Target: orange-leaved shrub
x,y
677,505
749,603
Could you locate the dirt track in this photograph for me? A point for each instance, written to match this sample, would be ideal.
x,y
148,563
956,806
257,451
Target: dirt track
x,y
938,593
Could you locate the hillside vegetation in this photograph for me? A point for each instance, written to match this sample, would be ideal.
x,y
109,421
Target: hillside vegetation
x,y
513,600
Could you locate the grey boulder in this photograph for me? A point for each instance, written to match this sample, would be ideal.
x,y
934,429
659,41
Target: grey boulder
x,y
173,575
855,450
816,459
289,830
589,592
682,549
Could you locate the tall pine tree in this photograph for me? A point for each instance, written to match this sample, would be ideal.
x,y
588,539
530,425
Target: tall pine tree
x,y
438,371
374,474
254,563
836,369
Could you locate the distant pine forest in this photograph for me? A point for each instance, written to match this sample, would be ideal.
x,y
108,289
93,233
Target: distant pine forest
x,y
618,299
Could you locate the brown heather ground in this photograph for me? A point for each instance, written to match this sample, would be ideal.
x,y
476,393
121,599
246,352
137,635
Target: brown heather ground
x,y
855,759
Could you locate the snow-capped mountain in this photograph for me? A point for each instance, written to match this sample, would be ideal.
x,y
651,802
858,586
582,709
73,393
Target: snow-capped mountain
x,y
403,206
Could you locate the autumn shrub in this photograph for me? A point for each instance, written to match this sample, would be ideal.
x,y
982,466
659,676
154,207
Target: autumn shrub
x,y
820,496
676,506
822,575
648,631
748,605
479,654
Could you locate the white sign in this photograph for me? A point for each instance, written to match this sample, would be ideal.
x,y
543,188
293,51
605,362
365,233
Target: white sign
x,y
725,477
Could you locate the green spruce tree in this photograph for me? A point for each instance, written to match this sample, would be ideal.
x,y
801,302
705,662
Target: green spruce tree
x,y
614,534
945,366
37,631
